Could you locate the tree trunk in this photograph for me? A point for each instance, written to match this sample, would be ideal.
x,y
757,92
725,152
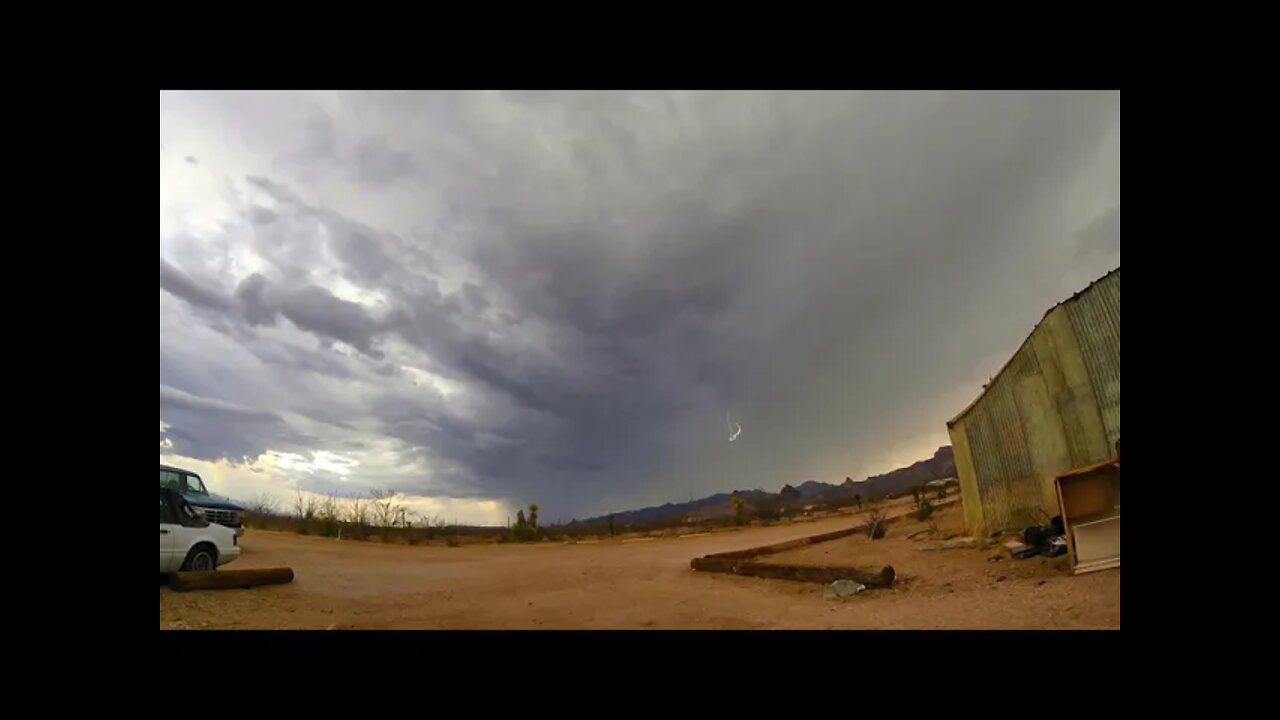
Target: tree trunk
x,y
882,578
215,580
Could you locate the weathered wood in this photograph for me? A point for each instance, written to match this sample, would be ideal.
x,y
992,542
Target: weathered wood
x,y
221,579
799,573
739,562
825,575
714,564
785,546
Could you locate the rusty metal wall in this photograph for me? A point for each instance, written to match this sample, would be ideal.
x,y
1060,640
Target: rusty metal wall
x,y
1006,480
1023,429
1095,317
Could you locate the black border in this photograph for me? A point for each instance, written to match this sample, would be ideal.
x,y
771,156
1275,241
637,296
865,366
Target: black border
x,y
1097,70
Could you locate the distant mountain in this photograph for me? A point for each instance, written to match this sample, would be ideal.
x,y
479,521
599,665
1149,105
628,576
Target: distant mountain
x,y
941,465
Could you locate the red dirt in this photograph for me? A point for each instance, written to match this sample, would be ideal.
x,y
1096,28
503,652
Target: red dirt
x,y
632,585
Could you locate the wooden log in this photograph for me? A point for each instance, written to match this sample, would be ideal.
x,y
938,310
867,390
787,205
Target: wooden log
x,y
800,573
220,579
814,574
785,546
713,564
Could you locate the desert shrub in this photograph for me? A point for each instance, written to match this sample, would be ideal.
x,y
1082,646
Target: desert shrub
x,y
875,525
739,504
358,517
768,511
924,508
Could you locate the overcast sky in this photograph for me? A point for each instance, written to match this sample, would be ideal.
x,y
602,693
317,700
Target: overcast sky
x,y
484,300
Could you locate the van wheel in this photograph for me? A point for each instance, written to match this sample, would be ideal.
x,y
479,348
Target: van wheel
x,y
202,558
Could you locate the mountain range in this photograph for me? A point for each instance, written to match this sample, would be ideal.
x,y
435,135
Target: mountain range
x,y
939,467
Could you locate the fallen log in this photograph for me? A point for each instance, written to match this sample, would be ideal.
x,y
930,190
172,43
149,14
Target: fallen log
x,y
799,573
221,579
785,546
714,564
825,575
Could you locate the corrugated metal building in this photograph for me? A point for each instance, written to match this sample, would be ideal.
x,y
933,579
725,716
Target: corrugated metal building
x,y
1054,406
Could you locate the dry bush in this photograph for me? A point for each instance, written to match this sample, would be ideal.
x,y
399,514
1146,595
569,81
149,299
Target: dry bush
x,y
329,513
262,511
924,508
875,525
305,507
358,517
264,505
387,509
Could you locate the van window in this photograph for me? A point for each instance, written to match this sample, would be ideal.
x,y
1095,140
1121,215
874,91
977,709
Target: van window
x,y
166,512
171,479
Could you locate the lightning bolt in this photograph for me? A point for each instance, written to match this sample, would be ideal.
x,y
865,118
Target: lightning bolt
x,y
733,433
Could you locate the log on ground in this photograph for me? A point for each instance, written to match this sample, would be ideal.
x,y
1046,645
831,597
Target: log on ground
x,y
882,578
785,546
221,579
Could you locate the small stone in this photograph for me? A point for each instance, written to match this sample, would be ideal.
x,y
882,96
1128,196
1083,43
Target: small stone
x,y
178,625
994,558
1042,582
843,588
1000,579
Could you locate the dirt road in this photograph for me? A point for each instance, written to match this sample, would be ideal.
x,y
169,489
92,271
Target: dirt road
x,y
634,585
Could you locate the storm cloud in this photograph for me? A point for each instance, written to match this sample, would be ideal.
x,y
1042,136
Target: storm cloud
x,y
556,297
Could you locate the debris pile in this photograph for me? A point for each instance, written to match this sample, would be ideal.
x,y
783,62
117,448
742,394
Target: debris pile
x,y
1048,540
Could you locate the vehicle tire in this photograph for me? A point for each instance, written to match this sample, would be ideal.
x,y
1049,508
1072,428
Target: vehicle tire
x,y
202,558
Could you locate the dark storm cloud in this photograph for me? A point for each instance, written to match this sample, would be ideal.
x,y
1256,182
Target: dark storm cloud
x,y
211,429
378,164
310,308
176,399
831,267
197,293
261,216
1102,236
316,309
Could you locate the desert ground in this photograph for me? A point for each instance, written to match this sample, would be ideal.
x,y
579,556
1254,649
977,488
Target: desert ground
x,y
646,583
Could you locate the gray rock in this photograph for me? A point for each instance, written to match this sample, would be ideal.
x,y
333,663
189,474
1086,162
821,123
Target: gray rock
x,y
843,588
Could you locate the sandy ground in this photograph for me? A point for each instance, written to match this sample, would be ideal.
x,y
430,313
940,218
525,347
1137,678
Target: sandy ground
x,y
640,584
